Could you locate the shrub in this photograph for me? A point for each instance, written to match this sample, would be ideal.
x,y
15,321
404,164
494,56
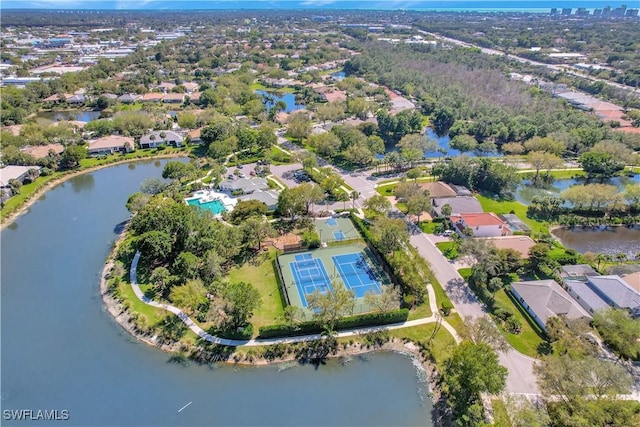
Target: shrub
x,y
446,308
513,325
314,327
503,313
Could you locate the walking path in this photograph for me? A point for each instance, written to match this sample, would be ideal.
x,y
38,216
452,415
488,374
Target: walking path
x,y
435,317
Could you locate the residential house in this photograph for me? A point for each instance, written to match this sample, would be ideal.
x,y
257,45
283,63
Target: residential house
x,y
19,173
194,136
78,99
128,98
10,173
459,205
173,98
520,244
543,299
152,97
268,197
166,86
577,272
41,151
191,86
111,144
194,98
157,138
599,292
483,224
244,185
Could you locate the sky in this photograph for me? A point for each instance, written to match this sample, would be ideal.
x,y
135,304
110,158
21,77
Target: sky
x,y
305,4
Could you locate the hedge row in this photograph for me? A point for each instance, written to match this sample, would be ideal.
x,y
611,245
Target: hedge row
x,y
315,327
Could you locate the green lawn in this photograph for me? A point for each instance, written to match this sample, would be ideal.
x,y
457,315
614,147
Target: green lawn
x,y
530,338
429,227
448,249
423,310
506,206
528,341
442,344
259,86
263,276
153,314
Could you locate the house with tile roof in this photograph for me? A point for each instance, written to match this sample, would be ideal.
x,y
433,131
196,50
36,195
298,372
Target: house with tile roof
x,y
111,144
483,224
600,292
157,138
543,299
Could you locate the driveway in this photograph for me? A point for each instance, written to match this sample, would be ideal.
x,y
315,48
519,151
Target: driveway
x,y
521,378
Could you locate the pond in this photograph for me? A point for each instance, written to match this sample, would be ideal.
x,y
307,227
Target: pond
x,y
270,98
443,142
81,116
526,191
611,240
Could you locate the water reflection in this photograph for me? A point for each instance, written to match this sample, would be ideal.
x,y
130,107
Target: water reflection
x,y
271,98
84,182
612,240
527,191
81,116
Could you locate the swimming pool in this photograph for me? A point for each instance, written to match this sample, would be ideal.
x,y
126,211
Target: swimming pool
x,y
214,206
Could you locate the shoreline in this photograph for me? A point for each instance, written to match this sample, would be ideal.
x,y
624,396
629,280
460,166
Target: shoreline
x,y
9,219
124,319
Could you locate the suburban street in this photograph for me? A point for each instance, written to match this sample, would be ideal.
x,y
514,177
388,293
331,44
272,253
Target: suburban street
x,y
521,379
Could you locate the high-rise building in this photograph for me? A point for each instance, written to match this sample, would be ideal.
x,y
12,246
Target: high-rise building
x,y
566,11
597,12
606,11
632,12
554,11
582,11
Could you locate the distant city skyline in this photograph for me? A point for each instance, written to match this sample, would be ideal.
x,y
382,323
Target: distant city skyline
x,y
457,5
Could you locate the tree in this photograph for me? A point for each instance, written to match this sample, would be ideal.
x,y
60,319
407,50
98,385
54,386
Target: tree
x,y
137,201
326,144
446,210
378,203
632,195
299,126
187,120
354,195
247,208
344,198
161,280
292,315
570,380
256,229
539,256
241,300
483,330
388,300
330,305
414,174
472,369
72,155
419,203
178,170
546,145
15,186
391,234
619,331
189,296
543,160
155,246
463,143
186,265
152,186
598,164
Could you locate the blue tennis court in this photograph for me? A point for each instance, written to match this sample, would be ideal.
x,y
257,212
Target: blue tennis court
x,y
339,235
331,222
309,275
356,274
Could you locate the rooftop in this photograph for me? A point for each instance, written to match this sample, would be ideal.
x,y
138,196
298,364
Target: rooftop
x,y
8,173
110,141
547,299
458,204
438,189
478,219
616,290
520,244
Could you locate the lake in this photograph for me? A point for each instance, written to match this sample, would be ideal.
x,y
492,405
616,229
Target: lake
x,y
443,142
270,98
526,192
81,116
613,240
61,350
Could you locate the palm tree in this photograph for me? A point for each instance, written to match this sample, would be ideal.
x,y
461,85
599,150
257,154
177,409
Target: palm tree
x,y
343,197
354,196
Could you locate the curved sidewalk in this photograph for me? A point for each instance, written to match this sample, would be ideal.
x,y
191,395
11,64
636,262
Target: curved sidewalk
x,y
284,340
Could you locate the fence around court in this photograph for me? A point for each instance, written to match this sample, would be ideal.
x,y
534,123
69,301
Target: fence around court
x,y
291,290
